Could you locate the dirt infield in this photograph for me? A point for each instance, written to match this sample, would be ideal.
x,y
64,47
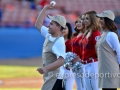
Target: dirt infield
x,y
22,83
35,82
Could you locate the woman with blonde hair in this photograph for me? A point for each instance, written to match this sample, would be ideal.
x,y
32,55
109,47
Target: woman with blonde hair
x,y
88,53
76,48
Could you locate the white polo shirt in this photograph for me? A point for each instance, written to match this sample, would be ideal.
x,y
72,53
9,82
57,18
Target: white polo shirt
x,y
58,48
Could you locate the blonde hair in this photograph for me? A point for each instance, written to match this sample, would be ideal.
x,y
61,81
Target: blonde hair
x,y
75,28
95,25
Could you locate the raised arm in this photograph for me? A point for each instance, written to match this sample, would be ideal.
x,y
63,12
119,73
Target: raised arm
x,y
41,17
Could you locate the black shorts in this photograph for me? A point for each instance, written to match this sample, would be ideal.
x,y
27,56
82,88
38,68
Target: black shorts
x,y
58,85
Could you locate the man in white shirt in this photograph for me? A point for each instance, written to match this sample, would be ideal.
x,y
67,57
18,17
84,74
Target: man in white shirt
x,y
53,49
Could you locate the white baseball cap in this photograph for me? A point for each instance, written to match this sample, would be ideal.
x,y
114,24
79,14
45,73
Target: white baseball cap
x,y
59,19
107,13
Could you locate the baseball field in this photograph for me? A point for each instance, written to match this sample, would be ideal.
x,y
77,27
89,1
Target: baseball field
x,y
20,76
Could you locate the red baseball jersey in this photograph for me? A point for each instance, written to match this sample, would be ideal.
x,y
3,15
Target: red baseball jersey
x,y
68,45
88,46
76,45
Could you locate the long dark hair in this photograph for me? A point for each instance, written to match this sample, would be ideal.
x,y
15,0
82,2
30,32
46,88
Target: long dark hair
x,y
69,30
111,26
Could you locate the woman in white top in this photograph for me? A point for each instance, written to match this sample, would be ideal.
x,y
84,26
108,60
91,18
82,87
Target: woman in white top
x,y
108,50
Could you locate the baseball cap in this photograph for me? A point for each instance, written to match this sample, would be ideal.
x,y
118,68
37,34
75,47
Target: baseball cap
x,y
59,19
107,13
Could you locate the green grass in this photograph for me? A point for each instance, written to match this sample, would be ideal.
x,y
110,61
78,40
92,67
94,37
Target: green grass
x,y
19,88
18,71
